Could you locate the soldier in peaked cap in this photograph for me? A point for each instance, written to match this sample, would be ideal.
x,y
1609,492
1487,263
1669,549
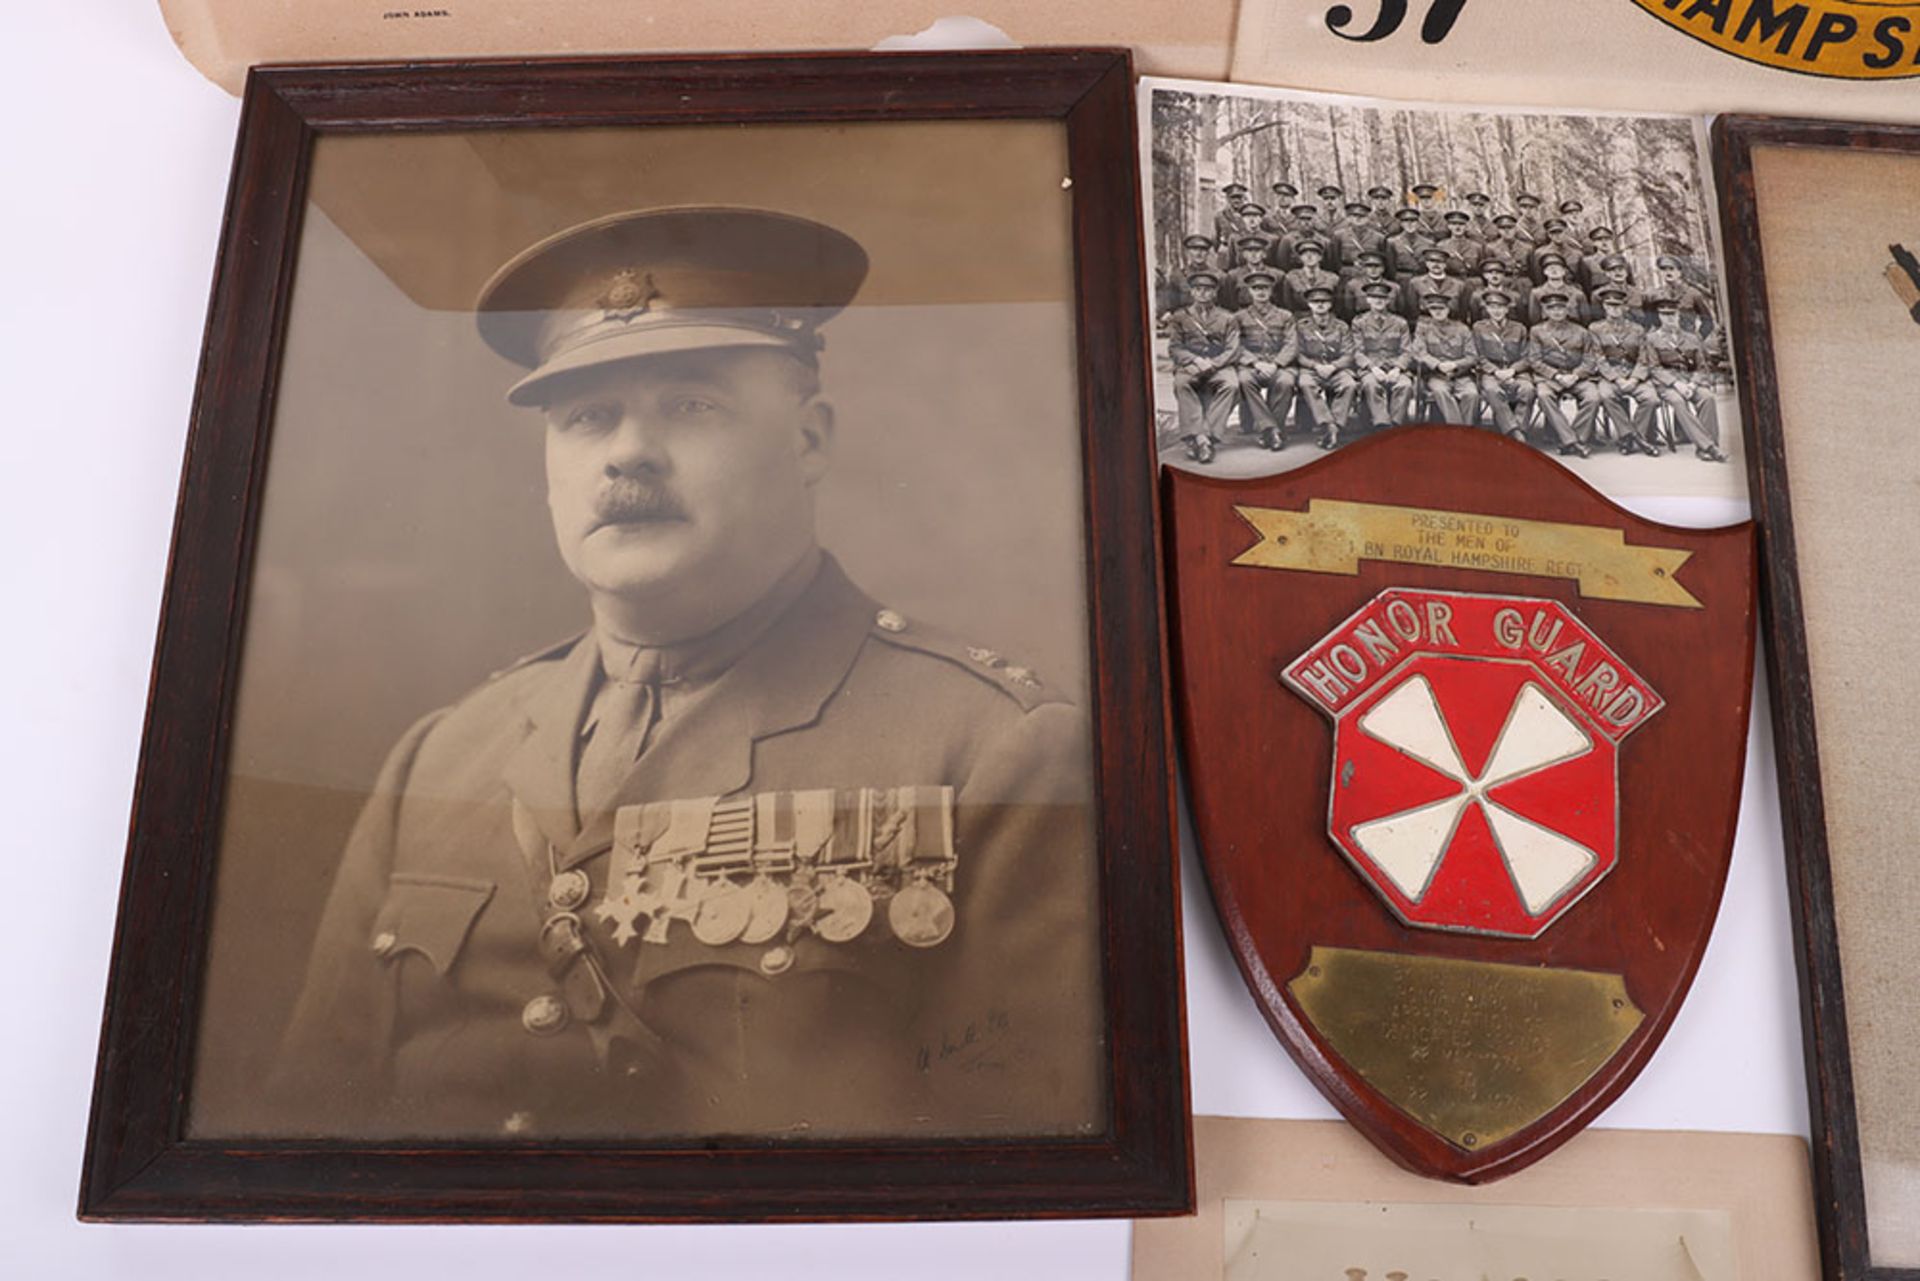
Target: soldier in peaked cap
x,y
1505,386
1264,364
1196,254
1228,223
1382,356
1203,341
1678,365
1627,396
752,852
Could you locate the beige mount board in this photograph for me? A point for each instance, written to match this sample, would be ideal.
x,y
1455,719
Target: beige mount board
x,y
1597,54
224,37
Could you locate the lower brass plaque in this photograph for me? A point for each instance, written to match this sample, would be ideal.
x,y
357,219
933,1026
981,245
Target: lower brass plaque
x,y
1472,1050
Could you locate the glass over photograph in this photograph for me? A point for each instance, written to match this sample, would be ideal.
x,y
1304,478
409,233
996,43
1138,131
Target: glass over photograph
x,y
1325,268
663,696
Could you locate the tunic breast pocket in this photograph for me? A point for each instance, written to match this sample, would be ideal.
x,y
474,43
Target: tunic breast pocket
x,y
420,931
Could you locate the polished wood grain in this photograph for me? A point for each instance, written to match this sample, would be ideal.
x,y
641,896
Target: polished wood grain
x,y
139,1165
1259,759
1839,1193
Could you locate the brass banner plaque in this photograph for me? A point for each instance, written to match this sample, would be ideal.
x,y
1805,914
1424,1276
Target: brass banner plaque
x,y
1333,536
1472,1050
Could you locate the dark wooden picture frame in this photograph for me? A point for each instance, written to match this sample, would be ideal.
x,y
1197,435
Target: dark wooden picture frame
x,y
1839,1188
141,1165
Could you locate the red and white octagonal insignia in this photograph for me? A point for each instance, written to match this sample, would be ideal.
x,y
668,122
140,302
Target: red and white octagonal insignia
x,y
1475,754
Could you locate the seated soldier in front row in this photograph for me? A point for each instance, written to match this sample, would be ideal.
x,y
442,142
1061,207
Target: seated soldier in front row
x,y
1203,340
1679,364
1269,344
1627,398
1383,356
1325,378
1560,355
1502,345
1444,352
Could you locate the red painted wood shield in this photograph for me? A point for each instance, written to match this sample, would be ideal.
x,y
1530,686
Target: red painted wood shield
x,y
1463,745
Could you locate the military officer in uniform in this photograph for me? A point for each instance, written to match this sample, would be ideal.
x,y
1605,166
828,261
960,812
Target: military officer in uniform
x,y
1228,224
1352,300
1678,363
1502,345
1561,357
1382,356
1426,203
1407,247
1268,347
1527,216
1384,205
1355,238
1435,283
1465,251
1507,244
1627,396
1696,309
751,854
1308,276
1446,357
1306,226
1252,250
1325,377
1480,215
1203,340
1555,280
1196,254
1279,220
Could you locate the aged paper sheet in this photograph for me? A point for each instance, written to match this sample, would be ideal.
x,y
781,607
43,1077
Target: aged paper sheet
x,y
1599,54
224,37
1743,1203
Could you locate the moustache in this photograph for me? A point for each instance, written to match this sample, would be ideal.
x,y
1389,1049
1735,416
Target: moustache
x,y
626,501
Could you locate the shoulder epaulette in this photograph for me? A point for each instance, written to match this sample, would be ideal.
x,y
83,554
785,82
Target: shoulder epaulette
x,y
1016,681
554,650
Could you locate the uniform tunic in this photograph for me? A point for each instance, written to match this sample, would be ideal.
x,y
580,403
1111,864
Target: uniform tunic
x,y
441,1002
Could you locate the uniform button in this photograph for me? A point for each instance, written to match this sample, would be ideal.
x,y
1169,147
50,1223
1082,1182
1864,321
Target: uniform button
x,y
888,620
544,1015
569,889
384,942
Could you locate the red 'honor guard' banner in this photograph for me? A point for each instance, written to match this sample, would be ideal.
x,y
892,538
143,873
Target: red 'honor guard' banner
x,y
1464,745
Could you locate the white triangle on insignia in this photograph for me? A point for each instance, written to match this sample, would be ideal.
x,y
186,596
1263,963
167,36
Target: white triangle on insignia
x,y
1407,846
1409,719
1537,734
1544,864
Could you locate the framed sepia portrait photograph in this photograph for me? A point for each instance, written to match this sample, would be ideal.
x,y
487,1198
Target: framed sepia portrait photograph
x,y
659,710
1823,224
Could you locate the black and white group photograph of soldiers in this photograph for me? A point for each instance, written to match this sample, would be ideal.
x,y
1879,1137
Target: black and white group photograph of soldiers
x,y
1326,268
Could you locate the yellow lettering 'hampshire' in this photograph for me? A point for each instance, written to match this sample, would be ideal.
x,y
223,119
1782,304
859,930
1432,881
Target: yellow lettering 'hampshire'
x,y
1333,536
1849,39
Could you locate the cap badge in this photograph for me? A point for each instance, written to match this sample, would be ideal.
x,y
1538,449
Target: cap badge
x,y
629,294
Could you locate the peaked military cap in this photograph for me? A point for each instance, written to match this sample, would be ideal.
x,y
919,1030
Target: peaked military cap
x,y
1479,198
1666,302
1500,265
1308,242
1553,224
1497,295
1432,252
1198,241
1328,189
1380,193
1457,215
1424,187
1358,206
1613,260
1550,257
1406,215
1667,260
1527,199
1555,295
1259,273
1571,206
1373,255
1379,289
649,282
1601,232
1319,292
1611,293
1436,300
1204,276
1304,207
1252,240
1506,219
1286,189
1232,187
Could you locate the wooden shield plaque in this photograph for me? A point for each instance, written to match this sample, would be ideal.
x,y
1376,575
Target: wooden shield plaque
x,y
1463,744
